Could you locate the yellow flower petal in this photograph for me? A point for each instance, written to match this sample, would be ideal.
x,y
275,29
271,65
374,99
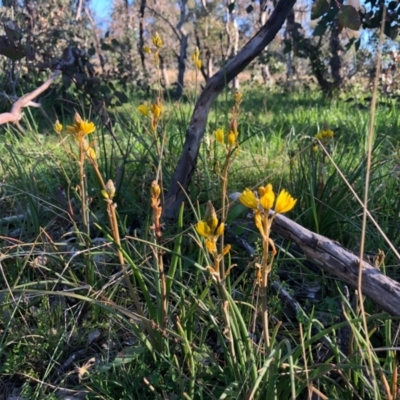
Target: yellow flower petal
x,y
258,222
226,250
198,64
211,217
157,41
196,53
211,245
91,154
267,197
156,110
203,229
57,126
238,97
155,189
219,135
147,49
231,138
220,229
86,127
143,109
285,202
248,199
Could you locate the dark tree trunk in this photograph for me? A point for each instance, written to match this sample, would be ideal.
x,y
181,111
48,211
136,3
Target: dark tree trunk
x,y
142,9
187,162
335,61
181,66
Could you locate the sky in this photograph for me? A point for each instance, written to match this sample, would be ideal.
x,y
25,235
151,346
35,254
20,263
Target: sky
x,y
102,8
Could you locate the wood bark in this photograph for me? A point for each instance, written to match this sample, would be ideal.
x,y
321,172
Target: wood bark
x,y
214,86
336,260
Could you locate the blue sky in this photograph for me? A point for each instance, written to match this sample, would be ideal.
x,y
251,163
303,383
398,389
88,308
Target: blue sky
x,y
102,8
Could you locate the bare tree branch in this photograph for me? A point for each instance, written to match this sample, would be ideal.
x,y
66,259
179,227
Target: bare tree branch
x,y
339,262
16,111
214,86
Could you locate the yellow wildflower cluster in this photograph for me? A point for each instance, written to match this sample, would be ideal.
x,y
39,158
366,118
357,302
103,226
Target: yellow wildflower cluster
x,y
152,111
211,229
78,131
157,43
261,205
196,58
324,134
80,128
231,136
264,202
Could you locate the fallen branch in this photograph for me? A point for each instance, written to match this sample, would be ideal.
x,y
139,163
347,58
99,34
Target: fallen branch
x,y
188,159
16,111
336,260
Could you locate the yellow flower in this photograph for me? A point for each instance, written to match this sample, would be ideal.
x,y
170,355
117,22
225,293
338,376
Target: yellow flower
x,y
285,202
267,196
57,126
81,127
196,58
210,228
219,135
143,109
232,138
198,64
238,97
248,199
156,110
155,189
147,49
315,147
324,134
91,154
157,41
196,53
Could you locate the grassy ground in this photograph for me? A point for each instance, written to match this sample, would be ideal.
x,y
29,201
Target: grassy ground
x,y
100,302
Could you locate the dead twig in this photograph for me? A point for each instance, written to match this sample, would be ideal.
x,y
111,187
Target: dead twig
x,y
15,114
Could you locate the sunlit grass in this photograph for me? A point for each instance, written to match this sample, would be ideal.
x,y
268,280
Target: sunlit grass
x,y
184,331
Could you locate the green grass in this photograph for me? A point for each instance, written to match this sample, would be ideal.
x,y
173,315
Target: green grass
x,y
54,322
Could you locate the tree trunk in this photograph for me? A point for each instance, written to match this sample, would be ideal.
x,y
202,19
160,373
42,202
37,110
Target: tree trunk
x,y
339,262
335,61
142,9
289,37
187,162
183,43
181,65
264,14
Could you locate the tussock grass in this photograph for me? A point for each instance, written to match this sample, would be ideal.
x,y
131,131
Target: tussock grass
x,y
111,310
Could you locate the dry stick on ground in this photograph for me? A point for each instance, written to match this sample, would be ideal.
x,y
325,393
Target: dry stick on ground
x,y
16,111
338,261
188,159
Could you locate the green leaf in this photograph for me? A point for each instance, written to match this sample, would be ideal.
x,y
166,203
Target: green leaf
x,y
231,7
319,8
349,17
249,9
